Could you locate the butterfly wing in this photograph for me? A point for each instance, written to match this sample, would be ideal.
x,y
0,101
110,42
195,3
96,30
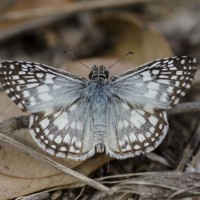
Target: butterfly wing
x,y
136,121
159,84
34,87
132,131
65,133
60,122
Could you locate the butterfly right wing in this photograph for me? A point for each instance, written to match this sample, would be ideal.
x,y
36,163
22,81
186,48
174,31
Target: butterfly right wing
x,y
36,87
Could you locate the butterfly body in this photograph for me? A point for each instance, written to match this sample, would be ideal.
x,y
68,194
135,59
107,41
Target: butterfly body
x,y
73,117
98,94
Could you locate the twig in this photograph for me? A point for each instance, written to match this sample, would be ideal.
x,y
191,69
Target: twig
x,y
188,107
190,148
53,163
155,185
184,191
69,9
16,29
159,159
35,196
14,123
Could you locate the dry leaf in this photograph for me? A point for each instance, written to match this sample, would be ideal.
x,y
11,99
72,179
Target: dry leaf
x,y
130,34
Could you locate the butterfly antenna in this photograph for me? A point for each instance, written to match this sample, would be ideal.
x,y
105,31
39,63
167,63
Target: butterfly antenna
x,y
128,53
75,58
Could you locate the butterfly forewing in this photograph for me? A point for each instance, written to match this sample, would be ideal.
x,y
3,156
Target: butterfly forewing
x,y
36,87
73,117
159,84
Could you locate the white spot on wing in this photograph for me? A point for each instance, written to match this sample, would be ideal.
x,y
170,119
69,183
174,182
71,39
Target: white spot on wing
x,y
151,94
125,106
39,75
135,122
163,81
44,123
120,125
43,88
125,123
32,85
153,85
67,139
141,137
45,96
153,120
73,124
58,139
132,137
15,77
73,107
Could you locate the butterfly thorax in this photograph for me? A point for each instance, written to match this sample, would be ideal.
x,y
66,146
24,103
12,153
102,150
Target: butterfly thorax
x,y
98,73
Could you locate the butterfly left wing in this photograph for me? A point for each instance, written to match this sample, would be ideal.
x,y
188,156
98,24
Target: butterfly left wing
x,y
158,84
133,131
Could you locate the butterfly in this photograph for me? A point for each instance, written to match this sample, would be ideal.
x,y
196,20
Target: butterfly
x,y
74,117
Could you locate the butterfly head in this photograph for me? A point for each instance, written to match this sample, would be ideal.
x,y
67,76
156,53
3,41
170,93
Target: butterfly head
x,y
98,72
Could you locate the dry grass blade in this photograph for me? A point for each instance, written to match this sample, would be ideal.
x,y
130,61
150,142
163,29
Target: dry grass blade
x,y
189,150
183,191
69,9
157,185
54,164
187,107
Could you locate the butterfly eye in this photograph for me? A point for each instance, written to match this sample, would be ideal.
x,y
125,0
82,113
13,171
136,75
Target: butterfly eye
x,y
107,74
99,73
90,74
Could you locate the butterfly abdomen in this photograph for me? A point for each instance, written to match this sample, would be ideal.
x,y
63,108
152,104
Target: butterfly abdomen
x,y
99,96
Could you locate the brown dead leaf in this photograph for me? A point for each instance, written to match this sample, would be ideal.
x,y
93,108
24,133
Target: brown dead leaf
x,y
21,6
130,34
27,5
21,174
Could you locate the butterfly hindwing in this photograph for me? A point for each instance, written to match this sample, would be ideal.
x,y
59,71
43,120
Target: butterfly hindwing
x,y
133,131
65,133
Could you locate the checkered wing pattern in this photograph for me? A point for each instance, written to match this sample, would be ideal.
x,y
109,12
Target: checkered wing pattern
x,y
159,84
59,123
144,93
36,87
73,117
134,131
65,133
